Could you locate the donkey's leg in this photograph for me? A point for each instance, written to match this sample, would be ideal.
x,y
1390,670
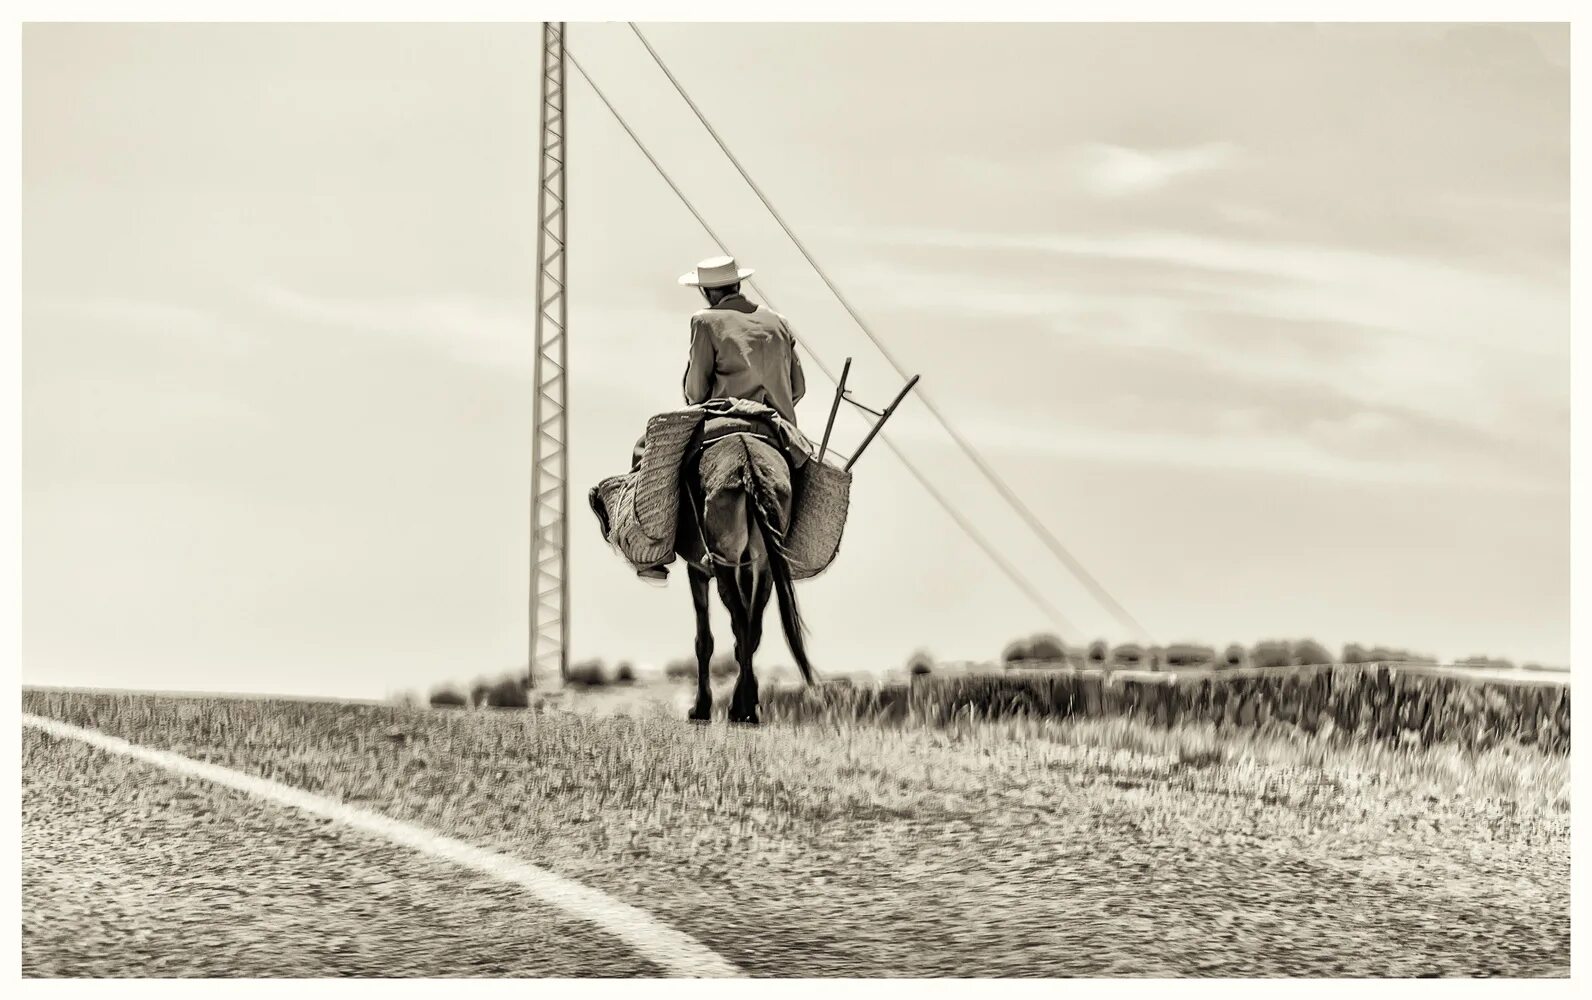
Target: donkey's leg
x,y
754,586
744,703
725,523
736,601
700,583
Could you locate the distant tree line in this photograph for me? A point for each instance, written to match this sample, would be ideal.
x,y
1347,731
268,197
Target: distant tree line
x,y
1047,648
511,690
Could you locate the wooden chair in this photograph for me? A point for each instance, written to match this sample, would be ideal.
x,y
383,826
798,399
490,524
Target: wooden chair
x,y
880,416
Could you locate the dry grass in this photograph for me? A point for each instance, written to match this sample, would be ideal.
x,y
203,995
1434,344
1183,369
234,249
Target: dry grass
x,y
1524,775
1521,775
1356,704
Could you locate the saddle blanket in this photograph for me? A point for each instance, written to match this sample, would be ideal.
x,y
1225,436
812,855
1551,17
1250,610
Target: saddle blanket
x,y
638,512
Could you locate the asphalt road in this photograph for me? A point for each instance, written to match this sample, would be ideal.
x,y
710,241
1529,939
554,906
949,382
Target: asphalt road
x,y
129,871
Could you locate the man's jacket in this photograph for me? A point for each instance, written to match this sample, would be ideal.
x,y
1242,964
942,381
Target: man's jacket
x,y
741,350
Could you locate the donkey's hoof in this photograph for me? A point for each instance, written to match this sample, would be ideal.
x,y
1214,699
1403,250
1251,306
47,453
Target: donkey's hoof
x,y
744,720
700,716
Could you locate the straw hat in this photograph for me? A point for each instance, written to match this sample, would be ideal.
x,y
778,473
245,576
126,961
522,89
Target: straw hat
x,y
715,272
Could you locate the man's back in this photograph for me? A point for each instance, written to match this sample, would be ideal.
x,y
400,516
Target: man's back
x,y
744,351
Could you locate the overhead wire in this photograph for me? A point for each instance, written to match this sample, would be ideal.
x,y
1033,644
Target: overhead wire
x,y
1022,583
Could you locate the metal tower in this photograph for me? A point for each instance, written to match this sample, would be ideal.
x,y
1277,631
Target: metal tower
x,y
549,594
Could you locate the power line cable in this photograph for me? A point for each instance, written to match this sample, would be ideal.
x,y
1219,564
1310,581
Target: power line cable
x,y
1094,586
961,521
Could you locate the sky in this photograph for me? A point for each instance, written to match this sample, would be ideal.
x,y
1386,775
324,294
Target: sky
x,y
1268,323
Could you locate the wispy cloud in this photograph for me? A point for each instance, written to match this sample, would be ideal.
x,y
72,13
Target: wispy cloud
x,y
472,330
1352,364
497,335
1398,292
1245,446
1108,173
1119,171
198,327
1466,344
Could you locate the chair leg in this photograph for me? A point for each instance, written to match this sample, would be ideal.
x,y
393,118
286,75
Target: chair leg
x,y
879,424
840,393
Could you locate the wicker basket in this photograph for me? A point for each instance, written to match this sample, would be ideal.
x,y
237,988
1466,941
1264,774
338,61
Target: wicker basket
x,y
657,484
819,519
641,509
614,500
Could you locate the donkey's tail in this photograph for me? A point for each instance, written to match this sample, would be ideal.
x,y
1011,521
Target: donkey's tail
x,y
790,616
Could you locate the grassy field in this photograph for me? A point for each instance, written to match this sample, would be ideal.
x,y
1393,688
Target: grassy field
x,y
1351,704
977,847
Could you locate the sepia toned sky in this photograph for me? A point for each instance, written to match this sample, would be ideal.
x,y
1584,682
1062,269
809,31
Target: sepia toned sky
x,y
1269,323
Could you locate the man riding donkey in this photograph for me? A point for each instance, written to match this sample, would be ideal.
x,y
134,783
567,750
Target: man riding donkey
x,y
716,483
739,350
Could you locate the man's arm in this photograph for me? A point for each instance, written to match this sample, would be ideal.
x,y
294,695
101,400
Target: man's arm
x,y
699,370
798,381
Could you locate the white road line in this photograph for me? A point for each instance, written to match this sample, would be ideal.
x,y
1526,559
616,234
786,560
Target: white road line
x,y
675,953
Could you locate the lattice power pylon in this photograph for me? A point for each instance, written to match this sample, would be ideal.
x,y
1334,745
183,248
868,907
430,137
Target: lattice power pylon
x,y
550,433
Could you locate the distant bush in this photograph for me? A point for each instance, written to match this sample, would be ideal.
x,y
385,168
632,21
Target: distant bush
x,y
1188,654
721,667
625,673
448,697
1487,663
1099,652
680,670
1384,654
1235,656
587,673
1128,654
920,663
508,691
1046,647
1309,653
479,692
1355,653
1271,653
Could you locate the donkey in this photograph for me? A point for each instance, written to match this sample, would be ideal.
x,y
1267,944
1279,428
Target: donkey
x,y
736,507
